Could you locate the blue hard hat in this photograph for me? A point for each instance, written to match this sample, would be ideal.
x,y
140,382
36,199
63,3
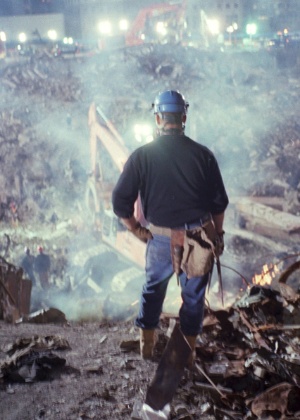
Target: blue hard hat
x,y
170,101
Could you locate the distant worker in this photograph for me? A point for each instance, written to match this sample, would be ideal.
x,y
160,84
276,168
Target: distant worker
x,y
184,200
42,267
27,264
69,120
13,208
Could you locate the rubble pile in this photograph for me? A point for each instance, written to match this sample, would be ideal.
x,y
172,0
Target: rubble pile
x,y
42,76
23,178
247,361
281,159
248,356
33,92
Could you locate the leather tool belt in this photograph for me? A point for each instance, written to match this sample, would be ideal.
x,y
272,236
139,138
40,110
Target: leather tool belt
x,y
192,247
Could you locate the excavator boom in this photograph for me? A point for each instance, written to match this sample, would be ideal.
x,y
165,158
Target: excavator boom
x,y
103,134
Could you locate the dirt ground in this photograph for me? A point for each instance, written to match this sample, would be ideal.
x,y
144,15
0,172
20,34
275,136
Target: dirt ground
x,y
77,392
98,381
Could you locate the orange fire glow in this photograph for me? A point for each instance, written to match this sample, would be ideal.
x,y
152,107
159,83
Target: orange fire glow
x,y
267,275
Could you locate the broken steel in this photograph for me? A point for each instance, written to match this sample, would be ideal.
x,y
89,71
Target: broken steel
x,y
209,380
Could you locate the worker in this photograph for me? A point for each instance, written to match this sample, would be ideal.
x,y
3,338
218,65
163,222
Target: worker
x,y
27,264
181,188
13,208
42,267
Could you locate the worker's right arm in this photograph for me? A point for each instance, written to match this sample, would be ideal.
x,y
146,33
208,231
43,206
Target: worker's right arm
x,y
130,223
137,229
126,191
124,197
218,220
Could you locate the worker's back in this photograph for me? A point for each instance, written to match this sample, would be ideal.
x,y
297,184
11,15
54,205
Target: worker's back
x,y
42,263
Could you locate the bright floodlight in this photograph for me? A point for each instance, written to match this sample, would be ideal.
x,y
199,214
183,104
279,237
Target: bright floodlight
x,y
213,26
251,29
68,40
105,27
123,25
2,36
143,133
22,37
160,28
52,34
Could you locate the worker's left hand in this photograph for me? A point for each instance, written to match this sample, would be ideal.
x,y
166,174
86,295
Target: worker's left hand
x,y
219,244
142,233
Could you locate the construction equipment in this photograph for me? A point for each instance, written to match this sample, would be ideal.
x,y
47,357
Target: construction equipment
x,y
183,22
176,22
108,156
163,22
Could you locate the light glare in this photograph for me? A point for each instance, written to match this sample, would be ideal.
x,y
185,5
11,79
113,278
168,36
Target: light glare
x,y
143,133
22,37
251,29
160,28
67,40
52,34
123,25
105,27
213,26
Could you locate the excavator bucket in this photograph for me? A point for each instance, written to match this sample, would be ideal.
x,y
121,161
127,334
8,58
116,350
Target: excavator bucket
x,y
169,371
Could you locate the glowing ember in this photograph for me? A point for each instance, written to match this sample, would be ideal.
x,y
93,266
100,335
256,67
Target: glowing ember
x,y
266,276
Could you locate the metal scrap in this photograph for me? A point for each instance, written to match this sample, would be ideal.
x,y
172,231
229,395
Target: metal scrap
x,y
32,359
15,292
273,399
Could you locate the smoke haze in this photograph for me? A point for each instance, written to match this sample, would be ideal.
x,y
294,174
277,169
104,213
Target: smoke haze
x,y
236,101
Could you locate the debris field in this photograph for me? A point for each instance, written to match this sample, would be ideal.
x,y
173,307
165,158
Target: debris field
x,y
72,352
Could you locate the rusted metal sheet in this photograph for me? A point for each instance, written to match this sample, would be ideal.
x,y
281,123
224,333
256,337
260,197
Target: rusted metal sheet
x,y
20,290
15,292
169,371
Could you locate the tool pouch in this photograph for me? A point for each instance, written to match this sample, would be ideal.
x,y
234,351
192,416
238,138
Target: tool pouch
x,y
177,238
198,250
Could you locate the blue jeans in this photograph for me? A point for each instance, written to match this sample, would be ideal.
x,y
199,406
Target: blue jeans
x,y
159,270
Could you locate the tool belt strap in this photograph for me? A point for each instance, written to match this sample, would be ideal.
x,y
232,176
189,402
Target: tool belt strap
x,y
159,230
165,231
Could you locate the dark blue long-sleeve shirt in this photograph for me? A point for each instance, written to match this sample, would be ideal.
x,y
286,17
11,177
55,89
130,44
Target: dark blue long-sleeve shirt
x,y
178,180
